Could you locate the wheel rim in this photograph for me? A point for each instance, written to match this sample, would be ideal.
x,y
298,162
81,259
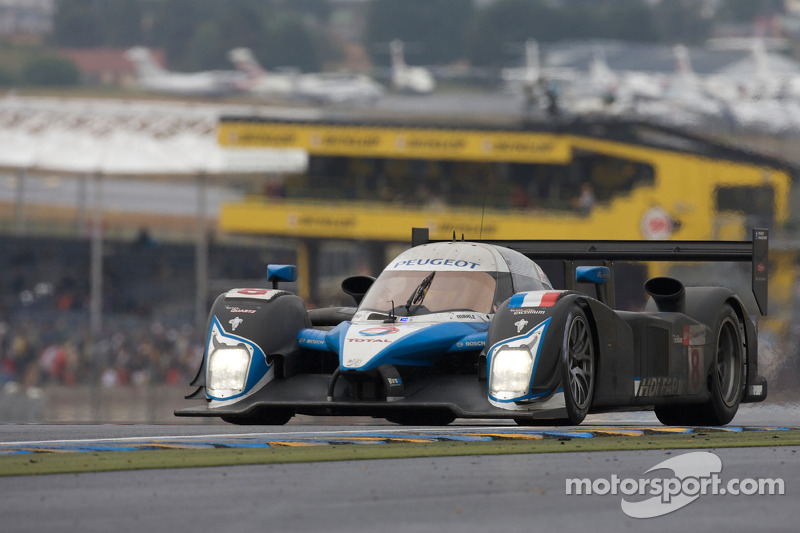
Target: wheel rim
x,y
728,362
580,362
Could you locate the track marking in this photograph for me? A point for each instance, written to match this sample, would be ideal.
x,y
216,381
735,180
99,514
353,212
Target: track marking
x,y
508,436
371,436
292,443
619,432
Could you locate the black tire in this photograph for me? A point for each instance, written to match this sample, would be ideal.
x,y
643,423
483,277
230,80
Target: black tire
x,y
578,365
422,418
261,417
680,415
727,376
725,380
544,422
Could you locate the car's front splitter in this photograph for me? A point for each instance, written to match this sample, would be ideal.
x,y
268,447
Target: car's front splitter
x,y
463,396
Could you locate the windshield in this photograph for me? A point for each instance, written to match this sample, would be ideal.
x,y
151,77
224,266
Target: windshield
x,y
448,291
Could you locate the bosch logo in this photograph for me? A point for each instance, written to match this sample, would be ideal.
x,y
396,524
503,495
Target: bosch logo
x,y
377,332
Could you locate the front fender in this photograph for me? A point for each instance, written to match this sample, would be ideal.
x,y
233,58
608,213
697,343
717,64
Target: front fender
x,y
613,340
518,320
265,322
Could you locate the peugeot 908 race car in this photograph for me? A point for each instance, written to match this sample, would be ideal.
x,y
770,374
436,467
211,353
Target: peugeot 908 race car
x,y
476,330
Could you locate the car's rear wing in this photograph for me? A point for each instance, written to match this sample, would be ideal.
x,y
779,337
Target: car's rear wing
x,y
755,251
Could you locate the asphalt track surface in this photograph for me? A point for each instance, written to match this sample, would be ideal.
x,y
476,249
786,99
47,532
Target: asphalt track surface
x,y
465,494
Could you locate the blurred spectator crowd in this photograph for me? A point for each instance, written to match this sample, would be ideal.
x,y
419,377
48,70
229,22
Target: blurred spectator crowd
x,y
33,353
148,332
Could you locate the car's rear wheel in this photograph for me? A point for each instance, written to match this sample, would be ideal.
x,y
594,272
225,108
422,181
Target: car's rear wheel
x,y
725,380
578,365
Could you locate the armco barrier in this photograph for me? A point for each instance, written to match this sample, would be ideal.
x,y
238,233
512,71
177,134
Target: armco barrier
x,y
145,404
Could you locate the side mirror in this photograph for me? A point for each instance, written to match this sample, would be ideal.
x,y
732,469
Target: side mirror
x,y
357,286
276,273
599,275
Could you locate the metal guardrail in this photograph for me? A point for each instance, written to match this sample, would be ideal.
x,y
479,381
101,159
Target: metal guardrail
x,y
82,404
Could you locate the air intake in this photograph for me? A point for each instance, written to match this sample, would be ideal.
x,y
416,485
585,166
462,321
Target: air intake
x,y
667,292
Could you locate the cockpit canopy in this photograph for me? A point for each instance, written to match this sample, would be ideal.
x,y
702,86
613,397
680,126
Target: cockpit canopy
x,y
466,276
448,291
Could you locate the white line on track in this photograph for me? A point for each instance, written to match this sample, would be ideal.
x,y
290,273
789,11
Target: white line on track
x,y
297,434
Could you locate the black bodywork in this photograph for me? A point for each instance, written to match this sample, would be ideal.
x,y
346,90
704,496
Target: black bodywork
x,y
669,357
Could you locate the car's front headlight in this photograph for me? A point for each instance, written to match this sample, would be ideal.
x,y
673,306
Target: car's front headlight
x,y
513,362
511,371
227,370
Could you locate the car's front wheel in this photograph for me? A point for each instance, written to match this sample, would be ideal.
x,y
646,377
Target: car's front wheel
x,y
578,365
261,417
422,417
543,422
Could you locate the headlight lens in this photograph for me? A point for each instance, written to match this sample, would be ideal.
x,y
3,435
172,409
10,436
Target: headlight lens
x,y
511,372
227,370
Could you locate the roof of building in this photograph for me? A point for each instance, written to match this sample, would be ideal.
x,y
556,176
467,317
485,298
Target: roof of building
x,y
117,137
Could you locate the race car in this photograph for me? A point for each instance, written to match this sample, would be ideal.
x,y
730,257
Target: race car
x,y
455,329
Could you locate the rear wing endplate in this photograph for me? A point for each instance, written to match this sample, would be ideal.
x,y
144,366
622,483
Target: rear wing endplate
x,y
755,251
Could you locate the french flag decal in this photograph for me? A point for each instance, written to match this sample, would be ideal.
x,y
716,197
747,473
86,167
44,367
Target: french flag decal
x,y
534,299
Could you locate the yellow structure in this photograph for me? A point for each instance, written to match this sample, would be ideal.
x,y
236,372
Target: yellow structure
x,y
391,142
682,201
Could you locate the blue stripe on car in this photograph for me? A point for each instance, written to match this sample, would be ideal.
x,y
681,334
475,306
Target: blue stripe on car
x,y
313,339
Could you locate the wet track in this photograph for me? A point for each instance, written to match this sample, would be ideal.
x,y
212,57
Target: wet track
x,y
308,431
471,493
465,494
752,416
61,439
